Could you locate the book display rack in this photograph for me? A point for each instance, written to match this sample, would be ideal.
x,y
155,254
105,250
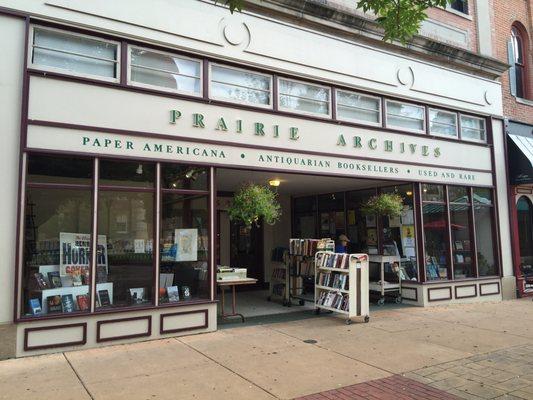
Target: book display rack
x,y
385,278
342,284
279,281
300,264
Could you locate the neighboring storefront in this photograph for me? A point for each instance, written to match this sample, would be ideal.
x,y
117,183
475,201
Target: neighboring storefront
x,y
520,161
120,140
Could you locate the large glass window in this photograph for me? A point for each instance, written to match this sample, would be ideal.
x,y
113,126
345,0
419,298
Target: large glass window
x,y
362,230
399,233
473,128
305,212
184,271
175,176
304,98
405,116
435,232
57,237
73,53
331,215
484,225
356,107
519,61
166,71
240,86
461,223
126,220
442,123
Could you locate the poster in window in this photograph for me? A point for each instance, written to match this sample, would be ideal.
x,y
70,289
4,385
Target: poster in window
x,y
186,241
371,237
408,236
75,254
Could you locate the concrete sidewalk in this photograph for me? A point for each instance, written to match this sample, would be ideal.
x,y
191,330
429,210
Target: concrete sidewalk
x,y
469,351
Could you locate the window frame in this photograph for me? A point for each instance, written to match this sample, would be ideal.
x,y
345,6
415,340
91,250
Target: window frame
x,y
117,61
465,2
517,31
484,130
358,121
456,136
133,83
424,122
329,115
268,106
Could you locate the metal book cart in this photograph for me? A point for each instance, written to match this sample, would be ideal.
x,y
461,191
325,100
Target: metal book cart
x,y
342,284
301,282
385,278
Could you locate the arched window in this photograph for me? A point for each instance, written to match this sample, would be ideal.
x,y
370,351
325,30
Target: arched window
x,y
518,61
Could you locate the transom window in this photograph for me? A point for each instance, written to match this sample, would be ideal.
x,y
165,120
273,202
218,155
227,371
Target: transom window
x,y
405,116
442,123
81,55
473,128
166,71
304,98
352,106
240,86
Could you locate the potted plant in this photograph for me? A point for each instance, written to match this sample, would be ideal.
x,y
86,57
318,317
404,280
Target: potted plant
x,y
384,204
255,202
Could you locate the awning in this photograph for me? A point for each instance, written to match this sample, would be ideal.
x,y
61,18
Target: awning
x,y
520,153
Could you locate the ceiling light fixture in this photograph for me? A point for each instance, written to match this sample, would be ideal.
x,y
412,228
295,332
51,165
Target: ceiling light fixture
x,y
409,193
274,182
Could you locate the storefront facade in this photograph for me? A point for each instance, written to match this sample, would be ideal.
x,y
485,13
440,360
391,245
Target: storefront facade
x,y
115,128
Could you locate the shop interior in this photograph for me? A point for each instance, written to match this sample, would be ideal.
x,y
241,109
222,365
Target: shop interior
x,y
313,207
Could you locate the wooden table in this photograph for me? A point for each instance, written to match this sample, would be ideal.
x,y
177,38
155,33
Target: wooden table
x,y
233,282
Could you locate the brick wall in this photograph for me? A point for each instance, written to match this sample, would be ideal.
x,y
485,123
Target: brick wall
x,y
505,12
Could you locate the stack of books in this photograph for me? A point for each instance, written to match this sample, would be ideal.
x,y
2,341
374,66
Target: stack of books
x,y
333,280
334,300
334,260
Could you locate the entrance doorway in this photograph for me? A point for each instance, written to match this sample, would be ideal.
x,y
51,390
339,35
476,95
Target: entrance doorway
x,y
246,249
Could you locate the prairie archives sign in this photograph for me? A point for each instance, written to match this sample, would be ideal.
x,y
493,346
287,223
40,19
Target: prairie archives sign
x,y
101,143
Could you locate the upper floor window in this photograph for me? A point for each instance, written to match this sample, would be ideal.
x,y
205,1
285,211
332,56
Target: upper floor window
x,y
240,86
442,123
357,107
150,68
408,117
473,128
304,98
517,59
460,5
77,54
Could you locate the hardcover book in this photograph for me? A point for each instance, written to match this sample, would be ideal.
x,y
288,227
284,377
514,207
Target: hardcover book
x,y
54,279
83,302
67,301
54,304
173,294
186,292
35,306
103,295
137,295
41,282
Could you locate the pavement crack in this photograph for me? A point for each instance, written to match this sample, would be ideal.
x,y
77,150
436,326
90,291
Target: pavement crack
x,y
227,368
79,377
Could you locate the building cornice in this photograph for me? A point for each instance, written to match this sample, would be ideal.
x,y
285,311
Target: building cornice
x,y
358,27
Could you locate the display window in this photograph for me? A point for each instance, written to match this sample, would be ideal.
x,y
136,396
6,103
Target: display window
x,y
64,256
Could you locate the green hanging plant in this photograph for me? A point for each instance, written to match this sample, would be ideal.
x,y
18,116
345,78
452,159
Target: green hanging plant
x,y
253,202
385,204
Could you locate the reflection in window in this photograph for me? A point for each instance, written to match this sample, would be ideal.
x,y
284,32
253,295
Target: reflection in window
x,y
405,116
303,97
399,234
240,86
473,128
463,261
432,192
165,70
57,239
435,241
74,53
485,240
126,219
184,248
353,106
442,123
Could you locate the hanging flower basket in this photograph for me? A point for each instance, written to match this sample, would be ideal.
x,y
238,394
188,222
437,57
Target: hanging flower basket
x,y
385,204
255,202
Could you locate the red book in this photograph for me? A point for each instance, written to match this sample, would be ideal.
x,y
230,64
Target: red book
x,y
83,302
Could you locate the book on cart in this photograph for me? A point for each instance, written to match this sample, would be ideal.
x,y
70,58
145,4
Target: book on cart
x,y
342,284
